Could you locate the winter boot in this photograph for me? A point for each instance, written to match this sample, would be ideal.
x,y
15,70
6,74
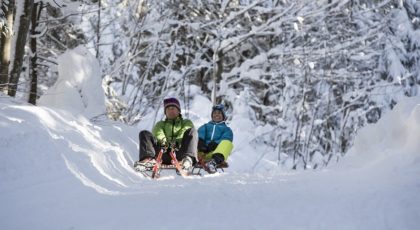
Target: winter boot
x,y
211,166
187,163
144,165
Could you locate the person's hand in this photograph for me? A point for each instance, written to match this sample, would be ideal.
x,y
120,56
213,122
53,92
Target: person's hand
x,y
163,144
174,145
202,147
212,146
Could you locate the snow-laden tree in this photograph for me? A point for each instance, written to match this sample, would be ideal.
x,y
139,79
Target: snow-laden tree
x,y
313,72
400,62
323,80
42,31
316,71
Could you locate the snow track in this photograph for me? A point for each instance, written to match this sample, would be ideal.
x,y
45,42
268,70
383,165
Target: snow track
x,y
55,163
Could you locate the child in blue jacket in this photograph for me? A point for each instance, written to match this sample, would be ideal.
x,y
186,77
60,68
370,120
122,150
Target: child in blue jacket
x,y
215,139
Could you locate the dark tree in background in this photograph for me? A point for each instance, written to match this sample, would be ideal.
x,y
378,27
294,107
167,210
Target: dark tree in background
x,y
22,34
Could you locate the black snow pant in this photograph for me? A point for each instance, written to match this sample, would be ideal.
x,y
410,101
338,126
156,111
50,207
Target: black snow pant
x,y
150,148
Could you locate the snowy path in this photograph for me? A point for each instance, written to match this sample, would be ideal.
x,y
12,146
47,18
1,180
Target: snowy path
x,y
61,171
301,201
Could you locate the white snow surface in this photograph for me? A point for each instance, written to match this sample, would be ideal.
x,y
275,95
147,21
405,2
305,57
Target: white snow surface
x,y
63,168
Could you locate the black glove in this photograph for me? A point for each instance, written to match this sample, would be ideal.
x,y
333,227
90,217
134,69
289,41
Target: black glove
x,y
212,146
178,145
202,147
162,143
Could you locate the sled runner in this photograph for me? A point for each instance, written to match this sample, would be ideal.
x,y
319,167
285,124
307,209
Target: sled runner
x,y
201,165
153,169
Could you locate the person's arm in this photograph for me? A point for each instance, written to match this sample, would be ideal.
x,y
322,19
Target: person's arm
x,y
227,134
202,147
187,124
159,133
202,132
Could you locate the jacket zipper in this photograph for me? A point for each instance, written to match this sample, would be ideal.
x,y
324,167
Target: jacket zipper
x,y
212,133
173,125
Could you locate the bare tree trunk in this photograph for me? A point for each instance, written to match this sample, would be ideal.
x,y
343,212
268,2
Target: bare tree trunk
x,y
6,38
217,73
98,32
20,46
36,12
298,146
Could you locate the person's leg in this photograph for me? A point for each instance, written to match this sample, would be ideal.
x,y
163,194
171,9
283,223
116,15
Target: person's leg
x,y
222,152
166,158
147,145
218,156
188,145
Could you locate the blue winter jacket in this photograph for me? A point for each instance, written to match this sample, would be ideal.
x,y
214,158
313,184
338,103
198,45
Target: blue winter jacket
x,y
216,132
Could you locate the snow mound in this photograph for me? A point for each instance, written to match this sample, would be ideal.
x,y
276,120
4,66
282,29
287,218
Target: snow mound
x,y
396,135
78,88
55,163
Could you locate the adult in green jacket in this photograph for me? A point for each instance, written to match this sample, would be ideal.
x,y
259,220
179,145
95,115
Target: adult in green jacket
x,y
174,130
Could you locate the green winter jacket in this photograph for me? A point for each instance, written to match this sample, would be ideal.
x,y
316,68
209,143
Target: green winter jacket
x,y
169,131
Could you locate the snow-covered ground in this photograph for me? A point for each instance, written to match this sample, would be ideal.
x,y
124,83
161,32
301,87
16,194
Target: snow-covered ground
x,y
64,167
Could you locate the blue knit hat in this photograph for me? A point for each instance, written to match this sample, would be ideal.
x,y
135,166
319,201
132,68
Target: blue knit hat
x,y
221,108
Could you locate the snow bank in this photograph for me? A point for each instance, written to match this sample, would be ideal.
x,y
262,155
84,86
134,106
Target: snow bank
x,y
60,171
395,135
